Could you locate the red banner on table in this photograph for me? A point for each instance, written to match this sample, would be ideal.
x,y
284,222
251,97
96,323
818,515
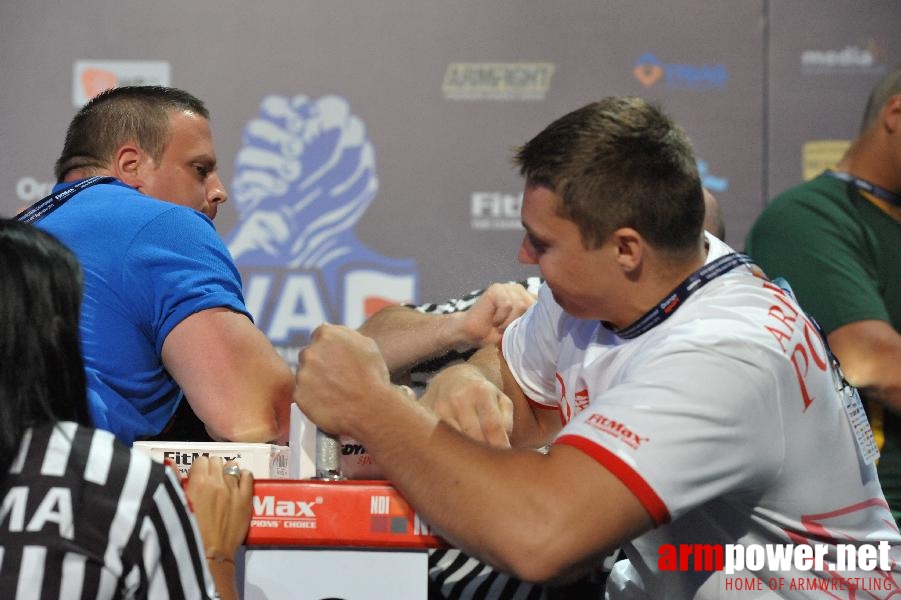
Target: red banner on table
x,y
343,513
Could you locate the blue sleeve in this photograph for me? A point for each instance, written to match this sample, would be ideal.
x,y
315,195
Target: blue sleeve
x,y
178,265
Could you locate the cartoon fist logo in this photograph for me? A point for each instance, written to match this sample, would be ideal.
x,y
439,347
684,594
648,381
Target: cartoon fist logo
x,y
303,178
305,175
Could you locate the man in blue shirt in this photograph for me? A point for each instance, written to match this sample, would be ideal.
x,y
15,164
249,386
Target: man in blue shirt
x,y
163,314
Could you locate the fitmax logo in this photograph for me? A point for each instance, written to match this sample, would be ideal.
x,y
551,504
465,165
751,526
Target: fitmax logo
x,y
649,70
268,506
495,210
186,459
617,430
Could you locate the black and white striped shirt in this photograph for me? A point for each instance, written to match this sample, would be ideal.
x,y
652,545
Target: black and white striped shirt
x,y
82,516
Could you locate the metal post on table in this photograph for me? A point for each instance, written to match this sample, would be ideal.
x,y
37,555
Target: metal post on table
x,y
328,456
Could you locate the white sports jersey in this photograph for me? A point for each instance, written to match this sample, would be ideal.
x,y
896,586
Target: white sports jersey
x,y
725,422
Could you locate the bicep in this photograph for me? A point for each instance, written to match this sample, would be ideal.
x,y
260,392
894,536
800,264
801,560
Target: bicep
x,y
230,374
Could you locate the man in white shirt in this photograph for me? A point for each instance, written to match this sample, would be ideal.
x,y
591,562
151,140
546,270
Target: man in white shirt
x,y
716,422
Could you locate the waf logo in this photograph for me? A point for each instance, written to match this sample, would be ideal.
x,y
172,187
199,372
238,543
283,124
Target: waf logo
x,y
617,430
304,177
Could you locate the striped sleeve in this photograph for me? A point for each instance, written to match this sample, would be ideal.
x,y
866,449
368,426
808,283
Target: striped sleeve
x,y
153,547
82,517
173,531
531,284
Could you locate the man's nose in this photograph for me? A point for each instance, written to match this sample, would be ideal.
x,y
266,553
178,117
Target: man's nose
x,y
216,192
526,256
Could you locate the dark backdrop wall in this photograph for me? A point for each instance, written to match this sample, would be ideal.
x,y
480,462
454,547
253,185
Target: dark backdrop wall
x,y
367,145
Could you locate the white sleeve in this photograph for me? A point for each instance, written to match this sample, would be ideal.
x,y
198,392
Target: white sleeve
x,y
530,346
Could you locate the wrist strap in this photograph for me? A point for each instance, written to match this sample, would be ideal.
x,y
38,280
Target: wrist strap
x,y
218,558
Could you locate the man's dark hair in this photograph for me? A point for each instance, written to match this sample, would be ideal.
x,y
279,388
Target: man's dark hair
x,y
43,377
617,163
136,114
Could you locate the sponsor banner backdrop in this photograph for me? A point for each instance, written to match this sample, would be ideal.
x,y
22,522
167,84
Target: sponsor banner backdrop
x,y
367,146
825,57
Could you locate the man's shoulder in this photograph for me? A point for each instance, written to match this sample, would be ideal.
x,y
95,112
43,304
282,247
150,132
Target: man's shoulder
x,y
129,216
128,203
801,212
823,192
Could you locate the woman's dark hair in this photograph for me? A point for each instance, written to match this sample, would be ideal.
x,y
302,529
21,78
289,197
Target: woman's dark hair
x,y
42,376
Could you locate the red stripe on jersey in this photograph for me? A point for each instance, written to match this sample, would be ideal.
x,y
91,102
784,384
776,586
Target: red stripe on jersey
x,y
632,480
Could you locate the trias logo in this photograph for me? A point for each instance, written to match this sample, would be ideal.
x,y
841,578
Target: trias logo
x,y
617,430
648,70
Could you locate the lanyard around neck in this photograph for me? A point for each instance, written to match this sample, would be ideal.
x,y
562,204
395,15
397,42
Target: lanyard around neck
x,y
678,296
880,192
47,205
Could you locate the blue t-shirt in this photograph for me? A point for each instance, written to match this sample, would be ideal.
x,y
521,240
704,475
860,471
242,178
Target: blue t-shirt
x,y
147,265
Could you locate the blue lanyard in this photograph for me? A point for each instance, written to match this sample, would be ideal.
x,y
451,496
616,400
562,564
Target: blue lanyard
x,y
678,296
45,206
879,192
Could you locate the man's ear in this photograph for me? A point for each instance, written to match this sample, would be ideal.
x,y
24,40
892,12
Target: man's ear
x,y
131,164
891,114
629,248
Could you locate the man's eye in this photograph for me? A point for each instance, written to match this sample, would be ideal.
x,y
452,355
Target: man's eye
x,y
202,170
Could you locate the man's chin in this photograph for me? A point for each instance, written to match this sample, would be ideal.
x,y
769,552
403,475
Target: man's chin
x,y
559,300
571,309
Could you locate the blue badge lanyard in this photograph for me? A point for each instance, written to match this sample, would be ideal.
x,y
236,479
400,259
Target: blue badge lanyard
x,y
45,206
879,192
677,297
